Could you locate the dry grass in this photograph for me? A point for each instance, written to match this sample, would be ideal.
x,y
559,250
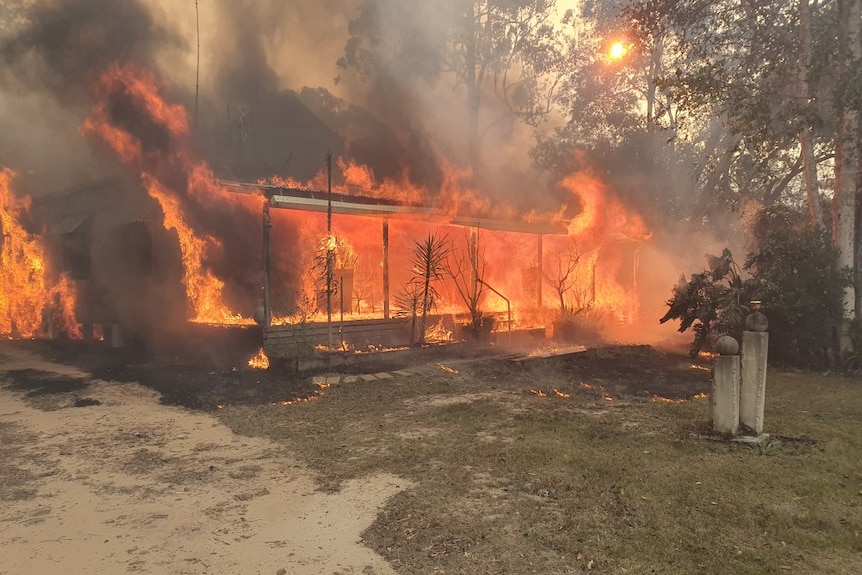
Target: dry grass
x,y
508,482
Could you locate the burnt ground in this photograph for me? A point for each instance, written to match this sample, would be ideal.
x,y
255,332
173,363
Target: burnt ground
x,y
507,464
210,380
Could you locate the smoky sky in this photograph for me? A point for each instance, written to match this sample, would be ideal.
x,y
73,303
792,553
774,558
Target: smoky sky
x,y
256,56
62,43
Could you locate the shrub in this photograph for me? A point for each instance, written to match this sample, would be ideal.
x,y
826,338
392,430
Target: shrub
x,y
712,303
794,272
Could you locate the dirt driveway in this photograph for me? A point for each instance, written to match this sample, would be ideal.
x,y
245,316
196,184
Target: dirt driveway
x,y
100,478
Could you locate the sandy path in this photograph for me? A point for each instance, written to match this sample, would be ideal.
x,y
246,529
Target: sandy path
x,y
132,486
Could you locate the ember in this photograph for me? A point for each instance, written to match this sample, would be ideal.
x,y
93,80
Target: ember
x,y
299,400
660,399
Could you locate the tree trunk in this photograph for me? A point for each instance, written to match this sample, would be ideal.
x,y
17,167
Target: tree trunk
x,y
711,188
803,94
809,173
426,293
847,162
473,81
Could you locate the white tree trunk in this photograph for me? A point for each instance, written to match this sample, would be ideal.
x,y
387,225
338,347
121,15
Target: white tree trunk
x,y
803,94
847,167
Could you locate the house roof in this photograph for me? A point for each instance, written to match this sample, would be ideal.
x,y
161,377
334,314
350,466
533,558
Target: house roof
x,y
311,200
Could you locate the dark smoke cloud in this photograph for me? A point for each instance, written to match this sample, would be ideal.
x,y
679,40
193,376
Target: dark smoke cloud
x,y
50,52
63,42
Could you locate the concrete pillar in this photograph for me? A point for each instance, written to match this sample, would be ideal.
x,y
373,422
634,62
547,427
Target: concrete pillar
x,y
116,336
724,400
48,324
755,346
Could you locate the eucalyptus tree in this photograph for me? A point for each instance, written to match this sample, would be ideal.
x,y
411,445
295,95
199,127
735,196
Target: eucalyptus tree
x,y
616,110
728,70
782,80
846,201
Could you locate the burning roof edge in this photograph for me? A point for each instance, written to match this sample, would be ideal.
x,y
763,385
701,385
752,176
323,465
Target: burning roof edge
x,y
310,200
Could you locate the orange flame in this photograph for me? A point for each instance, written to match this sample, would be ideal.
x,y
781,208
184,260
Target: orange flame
x,y
602,216
203,289
259,361
176,180
660,399
448,369
169,173
26,293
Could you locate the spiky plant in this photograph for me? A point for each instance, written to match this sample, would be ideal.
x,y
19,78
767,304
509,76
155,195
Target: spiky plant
x,y
428,262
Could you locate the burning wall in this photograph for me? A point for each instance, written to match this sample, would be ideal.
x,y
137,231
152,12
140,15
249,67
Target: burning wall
x,y
125,266
32,293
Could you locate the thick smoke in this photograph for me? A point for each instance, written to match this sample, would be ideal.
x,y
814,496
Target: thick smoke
x,y
260,97
50,52
62,44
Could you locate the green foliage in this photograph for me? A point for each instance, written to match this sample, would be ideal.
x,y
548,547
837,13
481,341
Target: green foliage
x,y
712,302
796,275
794,272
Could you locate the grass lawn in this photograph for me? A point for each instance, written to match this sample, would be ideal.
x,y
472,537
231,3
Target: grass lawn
x,y
506,481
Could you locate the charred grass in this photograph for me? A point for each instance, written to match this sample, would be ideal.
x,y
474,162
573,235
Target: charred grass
x,y
505,481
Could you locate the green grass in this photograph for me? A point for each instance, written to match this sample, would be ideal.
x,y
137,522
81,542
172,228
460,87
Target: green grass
x,y
507,482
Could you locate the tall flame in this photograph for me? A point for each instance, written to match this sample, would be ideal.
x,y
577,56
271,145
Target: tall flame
x,y
152,137
156,144
26,292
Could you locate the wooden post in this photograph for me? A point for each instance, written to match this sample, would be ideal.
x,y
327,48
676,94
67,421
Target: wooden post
x,y
341,327
267,225
329,253
385,269
541,271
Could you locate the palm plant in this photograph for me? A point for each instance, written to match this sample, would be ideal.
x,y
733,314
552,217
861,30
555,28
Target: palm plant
x,y
427,261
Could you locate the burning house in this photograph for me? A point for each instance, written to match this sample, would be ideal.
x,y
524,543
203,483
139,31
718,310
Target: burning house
x,y
178,245
107,239
171,247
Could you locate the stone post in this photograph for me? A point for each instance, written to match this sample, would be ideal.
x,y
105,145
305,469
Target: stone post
x,y
724,399
755,345
48,324
116,336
